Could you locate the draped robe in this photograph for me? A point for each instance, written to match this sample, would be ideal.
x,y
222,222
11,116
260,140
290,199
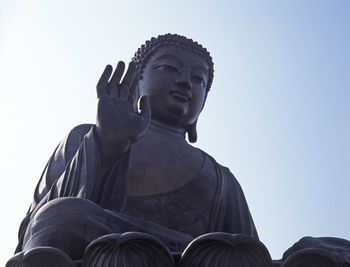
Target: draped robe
x,y
75,170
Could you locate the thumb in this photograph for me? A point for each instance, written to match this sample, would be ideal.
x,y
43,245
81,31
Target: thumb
x,y
143,107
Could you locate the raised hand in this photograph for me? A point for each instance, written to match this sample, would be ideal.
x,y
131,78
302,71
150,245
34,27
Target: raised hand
x,y
118,125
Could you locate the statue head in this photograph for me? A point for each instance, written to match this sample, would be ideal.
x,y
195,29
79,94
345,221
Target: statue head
x,y
176,73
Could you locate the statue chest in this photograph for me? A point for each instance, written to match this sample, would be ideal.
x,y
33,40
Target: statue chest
x,y
157,168
184,208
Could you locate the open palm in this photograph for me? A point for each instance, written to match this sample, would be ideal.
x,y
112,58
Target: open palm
x,y
117,121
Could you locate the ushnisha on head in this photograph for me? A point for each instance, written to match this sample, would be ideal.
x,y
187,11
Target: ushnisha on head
x,y
176,73
144,53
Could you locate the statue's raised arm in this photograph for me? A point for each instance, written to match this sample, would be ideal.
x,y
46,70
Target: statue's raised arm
x,y
131,191
118,125
134,171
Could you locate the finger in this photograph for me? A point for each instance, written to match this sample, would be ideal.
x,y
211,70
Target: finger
x,y
103,81
144,108
127,80
113,85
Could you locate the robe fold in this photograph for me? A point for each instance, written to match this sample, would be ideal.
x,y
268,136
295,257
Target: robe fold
x,y
74,170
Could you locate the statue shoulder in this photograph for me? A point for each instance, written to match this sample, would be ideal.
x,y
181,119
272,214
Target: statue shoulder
x,y
227,181
71,142
220,169
80,131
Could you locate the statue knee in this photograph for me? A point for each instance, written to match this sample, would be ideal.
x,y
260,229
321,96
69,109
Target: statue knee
x,y
65,223
68,216
66,206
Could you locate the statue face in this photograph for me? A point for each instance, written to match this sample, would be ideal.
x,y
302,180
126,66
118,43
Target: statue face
x,y
175,80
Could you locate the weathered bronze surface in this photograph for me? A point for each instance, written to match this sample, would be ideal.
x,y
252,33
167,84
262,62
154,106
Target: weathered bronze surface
x,y
130,190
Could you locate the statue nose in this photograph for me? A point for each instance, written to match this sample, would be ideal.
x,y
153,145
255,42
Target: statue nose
x,y
183,85
184,81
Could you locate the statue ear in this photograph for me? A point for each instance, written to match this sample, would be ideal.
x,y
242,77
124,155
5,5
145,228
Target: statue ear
x,y
192,132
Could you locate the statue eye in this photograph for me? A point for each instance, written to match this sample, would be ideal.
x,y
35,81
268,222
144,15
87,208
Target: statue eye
x,y
198,79
168,68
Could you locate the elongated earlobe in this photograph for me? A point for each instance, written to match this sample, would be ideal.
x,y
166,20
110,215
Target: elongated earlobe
x,y
192,132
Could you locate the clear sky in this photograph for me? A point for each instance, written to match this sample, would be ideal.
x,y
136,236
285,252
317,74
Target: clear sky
x,y
278,113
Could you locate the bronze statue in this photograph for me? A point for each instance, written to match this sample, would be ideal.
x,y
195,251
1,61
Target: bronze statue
x,y
133,170
130,190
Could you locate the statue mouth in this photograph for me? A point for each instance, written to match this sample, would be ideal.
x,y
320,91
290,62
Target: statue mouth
x,y
180,96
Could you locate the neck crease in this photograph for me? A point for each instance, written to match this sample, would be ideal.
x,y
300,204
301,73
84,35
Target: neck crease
x,y
158,127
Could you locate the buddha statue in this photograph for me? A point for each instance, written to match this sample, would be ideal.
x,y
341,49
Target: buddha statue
x,y
132,178
130,191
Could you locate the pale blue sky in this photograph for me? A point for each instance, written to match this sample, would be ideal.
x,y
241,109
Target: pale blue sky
x,y
277,115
